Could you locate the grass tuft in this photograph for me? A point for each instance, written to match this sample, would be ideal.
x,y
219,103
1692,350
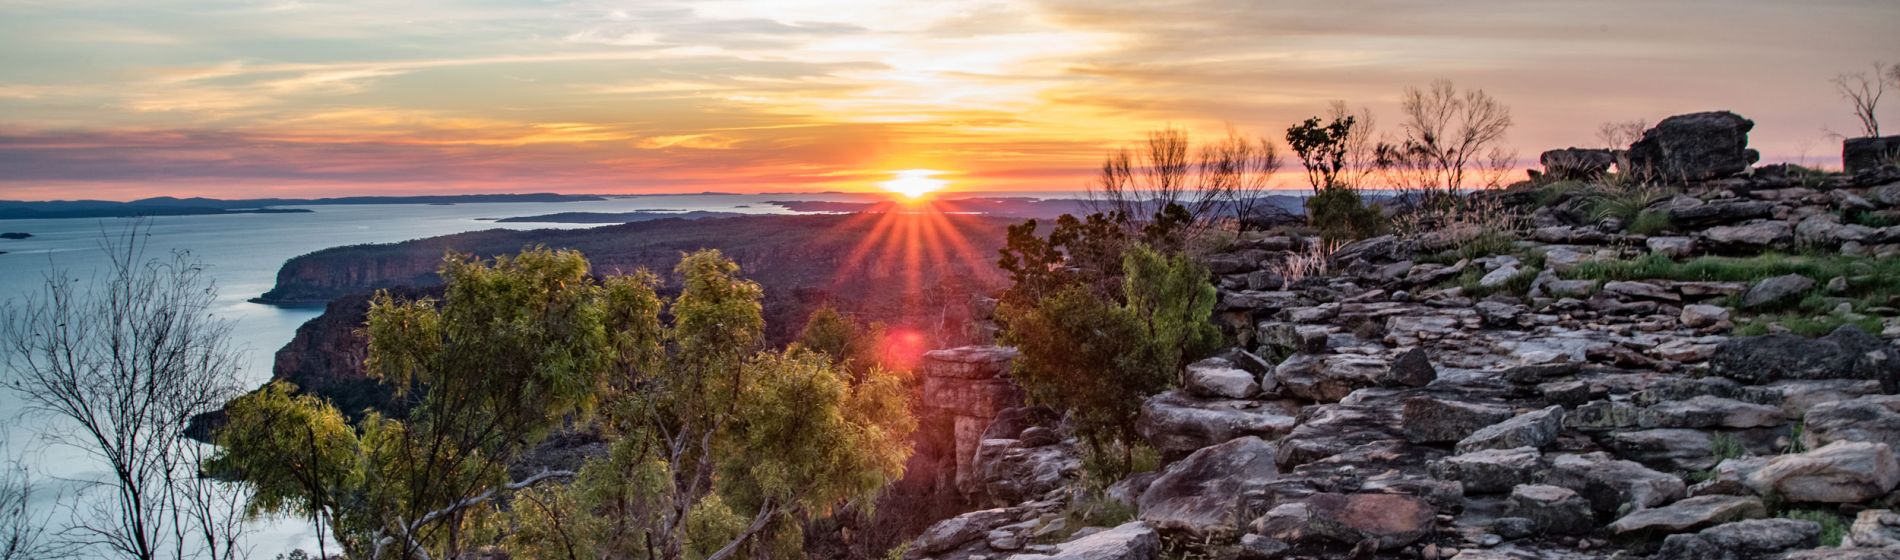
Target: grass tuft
x,y
1833,525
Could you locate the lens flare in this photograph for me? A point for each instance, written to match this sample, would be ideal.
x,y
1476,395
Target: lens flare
x,y
914,183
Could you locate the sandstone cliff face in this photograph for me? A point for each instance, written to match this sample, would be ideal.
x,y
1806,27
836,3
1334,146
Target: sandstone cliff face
x,y
964,389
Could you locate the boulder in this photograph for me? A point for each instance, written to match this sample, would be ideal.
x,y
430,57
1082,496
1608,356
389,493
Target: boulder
x,y
1750,237
1218,378
1133,540
1412,369
1710,412
1846,353
1491,471
1874,528
1328,378
1012,471
1200,495
1694,147
1672,247
1641,291
1873,418
1841,472
1742,540
1552,509
1698,315
962,529
1611,484
1777,291
1177,424
1666,448
1601,415
1702,216
1388,520
1690,513
1261,547
1435,419
1531,429
1576,163
1870,152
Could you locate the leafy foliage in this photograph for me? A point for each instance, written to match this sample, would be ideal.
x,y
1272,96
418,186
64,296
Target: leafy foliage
x,y
1322,147
715,448
1098,359
1340,214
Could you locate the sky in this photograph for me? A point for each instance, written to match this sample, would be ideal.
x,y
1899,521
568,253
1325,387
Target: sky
x,y
110,99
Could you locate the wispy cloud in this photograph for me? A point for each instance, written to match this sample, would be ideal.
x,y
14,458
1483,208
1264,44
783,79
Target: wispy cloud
x,y
224,97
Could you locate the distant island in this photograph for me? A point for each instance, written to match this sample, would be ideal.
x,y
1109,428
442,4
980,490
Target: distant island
x,y
615,217
173,206
15,235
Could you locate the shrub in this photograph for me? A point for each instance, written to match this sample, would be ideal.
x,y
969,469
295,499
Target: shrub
x,y
1833,525
1340,214
1650,222
1097,359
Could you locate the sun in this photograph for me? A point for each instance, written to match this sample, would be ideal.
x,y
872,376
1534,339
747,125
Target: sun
x,y
914,183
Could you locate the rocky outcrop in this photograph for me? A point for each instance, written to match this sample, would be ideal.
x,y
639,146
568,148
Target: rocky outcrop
x,y
1694,147
1428,403
1575,163
1200,495
1869,153
964,389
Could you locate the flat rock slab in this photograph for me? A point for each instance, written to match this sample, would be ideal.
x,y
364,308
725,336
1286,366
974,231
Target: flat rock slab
x,y
1200,494
1691,513
1178,424
1842,472
1392,520
1129,541
1531,429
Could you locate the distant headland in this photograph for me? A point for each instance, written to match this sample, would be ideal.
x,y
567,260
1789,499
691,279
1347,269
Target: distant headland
x,y
173,206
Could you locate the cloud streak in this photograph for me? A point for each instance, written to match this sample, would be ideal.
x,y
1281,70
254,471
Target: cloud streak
x,y
119,99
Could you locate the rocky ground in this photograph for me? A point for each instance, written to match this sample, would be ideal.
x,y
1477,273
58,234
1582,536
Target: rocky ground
x,y
1590,387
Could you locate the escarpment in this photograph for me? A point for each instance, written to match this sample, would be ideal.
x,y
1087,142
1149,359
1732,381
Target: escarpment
x,y
1703,365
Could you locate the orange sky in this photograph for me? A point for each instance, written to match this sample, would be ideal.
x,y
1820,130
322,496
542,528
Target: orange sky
x,y
240,98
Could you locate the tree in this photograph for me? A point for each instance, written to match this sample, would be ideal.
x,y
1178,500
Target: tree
x,y
298,455
1618,135
515,349
851,345
1863,92
123,364
1239,170
1453,140
1172,297
1206,183
26,532
715,448
1098,359
1085,251
1323,148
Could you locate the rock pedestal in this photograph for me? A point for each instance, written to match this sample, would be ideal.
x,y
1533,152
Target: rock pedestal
x,y
964,390
1869,153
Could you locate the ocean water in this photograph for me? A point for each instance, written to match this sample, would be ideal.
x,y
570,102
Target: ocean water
x,y
242,253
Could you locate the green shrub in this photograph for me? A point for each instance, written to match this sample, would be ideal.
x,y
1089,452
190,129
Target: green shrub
x,y
1650,222
1098,359
1726,446
1622,204
1340,214
1833,525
